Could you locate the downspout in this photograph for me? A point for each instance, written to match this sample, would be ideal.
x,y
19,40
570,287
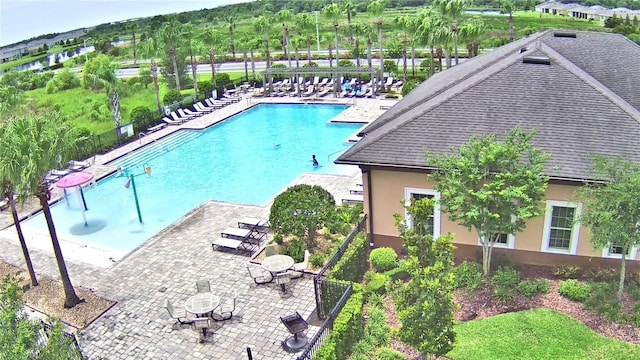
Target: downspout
x,y
370,234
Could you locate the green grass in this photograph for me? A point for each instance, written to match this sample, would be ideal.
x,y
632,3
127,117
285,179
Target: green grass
x,y
535,334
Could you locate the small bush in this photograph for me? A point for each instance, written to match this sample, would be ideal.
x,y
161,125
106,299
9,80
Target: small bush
x,y
567,271
383,259
504,294
171,97
397,273
574,290
604,274
295,249
603,300
374,283
468,275
317,259
385,353
409,86
530,288
506,277
278,239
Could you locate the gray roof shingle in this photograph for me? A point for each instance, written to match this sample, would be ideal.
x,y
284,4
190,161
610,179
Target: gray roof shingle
x,y
577,105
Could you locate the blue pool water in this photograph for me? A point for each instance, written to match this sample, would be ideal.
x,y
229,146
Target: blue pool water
x,y
247,159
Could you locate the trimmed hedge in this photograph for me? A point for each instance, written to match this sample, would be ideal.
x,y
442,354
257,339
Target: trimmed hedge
x,y
348,329
353,264
383,259
398,273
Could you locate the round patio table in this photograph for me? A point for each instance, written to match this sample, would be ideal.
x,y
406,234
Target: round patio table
x,y
201,303
277,263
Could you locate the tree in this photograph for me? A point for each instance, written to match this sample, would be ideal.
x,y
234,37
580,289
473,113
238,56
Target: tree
x,y
429,22
471,33
262,26
39,142
213,39
350,10
425,305
19,334
492,186
133,27
230,22
612,209
285,16
332,11
301,210
9,169
508,6
304,22
170,38
376,9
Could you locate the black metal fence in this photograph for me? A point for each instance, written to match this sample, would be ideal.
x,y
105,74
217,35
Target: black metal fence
x,y
325,296
316,341
45,332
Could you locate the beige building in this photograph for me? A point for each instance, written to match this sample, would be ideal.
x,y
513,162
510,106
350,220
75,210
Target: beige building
x,y
580,91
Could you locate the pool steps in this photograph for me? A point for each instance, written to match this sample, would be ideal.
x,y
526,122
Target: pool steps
x,y
155,149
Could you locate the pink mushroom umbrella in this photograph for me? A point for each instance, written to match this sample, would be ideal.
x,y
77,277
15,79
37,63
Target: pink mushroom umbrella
x,y
76,179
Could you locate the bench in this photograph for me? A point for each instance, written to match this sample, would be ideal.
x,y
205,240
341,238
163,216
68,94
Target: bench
x,y
226,243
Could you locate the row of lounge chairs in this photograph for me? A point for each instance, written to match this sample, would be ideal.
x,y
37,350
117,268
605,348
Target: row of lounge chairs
x,y
182,115
324,87
55,175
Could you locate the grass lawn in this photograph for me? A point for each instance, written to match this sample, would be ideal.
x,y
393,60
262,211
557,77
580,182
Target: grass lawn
x,y
535,334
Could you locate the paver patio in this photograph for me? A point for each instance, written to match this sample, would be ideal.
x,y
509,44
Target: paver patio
x,y
167,267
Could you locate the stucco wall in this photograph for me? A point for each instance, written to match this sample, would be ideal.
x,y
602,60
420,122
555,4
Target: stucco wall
x,y
389,189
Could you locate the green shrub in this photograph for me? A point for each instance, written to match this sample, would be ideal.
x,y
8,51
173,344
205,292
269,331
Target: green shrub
x,y
504,294
409,86
386,353
278,239
295,249
205,87
603,300
567,271
531,288
317,260
383,259
604,274
506,277
353,264
142,117
397,273
346,63
468,275
172,96
374,283
574,290
347,329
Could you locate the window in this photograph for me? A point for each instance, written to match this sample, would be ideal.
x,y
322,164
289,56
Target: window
x,y
417,194
561,229
615,250
503,241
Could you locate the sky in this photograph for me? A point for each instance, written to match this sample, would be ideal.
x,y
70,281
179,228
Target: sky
x,y
23,19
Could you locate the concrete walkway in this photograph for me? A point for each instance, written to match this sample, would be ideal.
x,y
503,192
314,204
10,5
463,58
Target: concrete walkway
x,y
167,267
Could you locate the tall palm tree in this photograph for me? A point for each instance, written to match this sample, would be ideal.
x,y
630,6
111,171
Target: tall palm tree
x,y
213,39
376,9
189,33
508,6
149,50
429,21
133,27
471,32
253,44
38,141
169,36
359,30
245,38
284,16
9,175
304,23
262,26
230,21
332,11
351,12
451,10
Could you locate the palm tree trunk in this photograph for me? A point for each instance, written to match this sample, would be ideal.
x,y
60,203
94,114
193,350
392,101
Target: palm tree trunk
x,y
154,73
133,42
309,49
172,51
357,48
71,299
413,59
433,67
194,72
404,58
23,243
212,60
370,61
253,64
232,42
455,44
511,32
246,64
380,42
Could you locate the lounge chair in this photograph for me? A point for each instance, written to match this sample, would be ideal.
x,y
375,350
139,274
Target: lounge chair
x,y
187,112
151,129
232,98
323,92
294,92
353,198
215,103
201,108
171,121
179,314
323,82
330,83
389,81
397,84
309,92
369,93
75,165
177,117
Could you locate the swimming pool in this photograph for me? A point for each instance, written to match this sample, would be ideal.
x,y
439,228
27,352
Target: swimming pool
x,y
247,159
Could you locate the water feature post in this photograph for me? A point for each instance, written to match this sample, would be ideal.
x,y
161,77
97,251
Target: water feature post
x,y
135,194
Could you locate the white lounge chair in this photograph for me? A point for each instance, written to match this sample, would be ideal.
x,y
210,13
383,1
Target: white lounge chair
x,y
309,91
75,165
389,81
353,198
202,109
178,314
231,98
369,93
171,121
177,117
295,92
187,112
323,82
323,92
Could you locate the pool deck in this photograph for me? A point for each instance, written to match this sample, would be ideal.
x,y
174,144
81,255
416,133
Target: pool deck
x,y
168,265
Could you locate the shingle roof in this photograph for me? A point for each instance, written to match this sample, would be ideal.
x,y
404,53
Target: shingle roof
x,y
587,101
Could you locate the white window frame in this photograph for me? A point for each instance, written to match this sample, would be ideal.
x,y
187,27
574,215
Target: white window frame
x,y
511,243
633,253
575,230
436,208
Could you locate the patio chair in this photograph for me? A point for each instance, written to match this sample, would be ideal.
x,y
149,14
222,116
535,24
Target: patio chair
x,y
4,203
172,122
299,268
283,279
259,275
296,325
203,286
178,314
201,108
271,249
226,308
202,324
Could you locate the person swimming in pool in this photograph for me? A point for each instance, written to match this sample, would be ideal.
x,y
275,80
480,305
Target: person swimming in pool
x,y
314,161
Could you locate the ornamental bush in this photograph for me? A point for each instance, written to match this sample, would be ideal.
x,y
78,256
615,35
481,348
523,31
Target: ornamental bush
x,y
348,328
383,259
171,97
574,290
468,275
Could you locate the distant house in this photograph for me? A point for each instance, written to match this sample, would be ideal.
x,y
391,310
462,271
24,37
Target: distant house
x,y
581,90
595,12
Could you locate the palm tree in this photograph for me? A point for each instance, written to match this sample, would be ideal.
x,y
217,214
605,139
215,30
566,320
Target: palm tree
x,y
230,21
472,32
38,141
262,26
332,11
358,30
284,16
304,23
376,9
213,39
455,8
426,31
244,41
133,28
149,49
509,7
189,35
253,44
169,36
9,169
351,12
